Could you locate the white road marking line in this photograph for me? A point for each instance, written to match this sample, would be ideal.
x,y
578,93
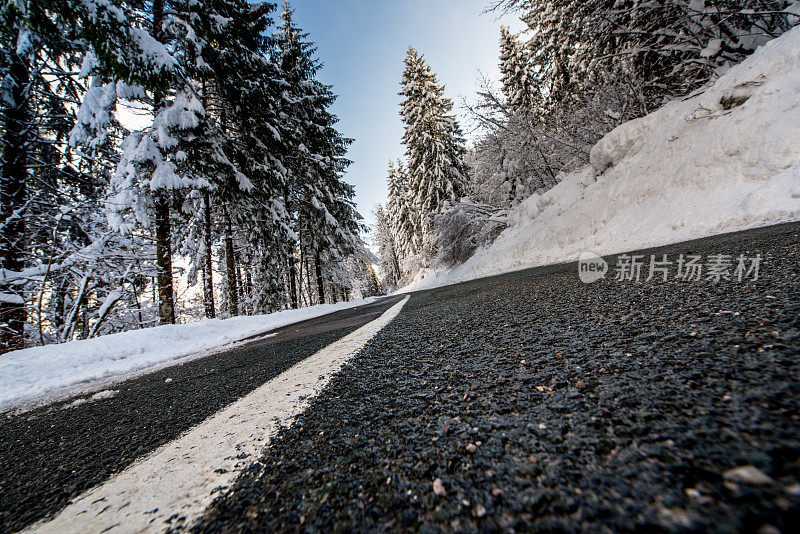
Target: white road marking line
x,y
180,479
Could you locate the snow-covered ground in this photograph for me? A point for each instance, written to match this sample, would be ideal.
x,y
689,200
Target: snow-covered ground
x,y
704,165
40,375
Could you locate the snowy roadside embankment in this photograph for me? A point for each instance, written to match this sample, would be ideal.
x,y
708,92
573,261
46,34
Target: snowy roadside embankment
x,y
54,372
725,159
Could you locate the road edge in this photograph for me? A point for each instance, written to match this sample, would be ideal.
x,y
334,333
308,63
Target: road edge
x,y
173,485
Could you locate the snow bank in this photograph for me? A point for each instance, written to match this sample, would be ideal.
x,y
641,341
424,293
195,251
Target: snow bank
x,y
724,159
44,374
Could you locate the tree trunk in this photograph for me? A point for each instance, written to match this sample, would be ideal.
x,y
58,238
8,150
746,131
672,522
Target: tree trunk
x,y
208,269
138,304
303,296
302,268
320,284
230,266
240,287
309,285
60,297
166,305
292,282
14,195
248,285
290,256
396,262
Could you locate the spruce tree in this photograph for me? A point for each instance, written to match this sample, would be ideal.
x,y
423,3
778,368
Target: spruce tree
x,y
322,211
663,49
242,151
387,248
16,70
154,162
400,213
247,173
223,154
40,180
519,86
437,175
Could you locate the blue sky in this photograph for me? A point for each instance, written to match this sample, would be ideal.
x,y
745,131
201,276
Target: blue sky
x,y
362,44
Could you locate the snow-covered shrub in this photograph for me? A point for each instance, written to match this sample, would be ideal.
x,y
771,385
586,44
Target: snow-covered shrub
x,y
521,153
461,229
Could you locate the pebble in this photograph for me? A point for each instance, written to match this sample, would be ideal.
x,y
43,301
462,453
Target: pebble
x,y
747,474
438,488
675,517
793,489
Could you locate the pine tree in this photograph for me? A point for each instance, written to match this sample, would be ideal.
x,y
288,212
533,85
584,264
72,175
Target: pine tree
x,y
242,156
387,248
518,81
154,163
400,214
16,66
261,135
223,153
434,147
295,57
39,180
63,266
322,212
247,174
665,49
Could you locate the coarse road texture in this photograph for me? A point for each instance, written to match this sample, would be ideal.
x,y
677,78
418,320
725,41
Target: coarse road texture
x,y
543,404
55,453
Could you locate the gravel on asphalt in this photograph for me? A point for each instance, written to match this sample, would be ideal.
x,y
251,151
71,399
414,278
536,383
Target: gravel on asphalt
x,y
55,453
534,402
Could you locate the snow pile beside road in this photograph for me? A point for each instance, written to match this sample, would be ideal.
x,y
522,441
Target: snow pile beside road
x,y
47,371
725,159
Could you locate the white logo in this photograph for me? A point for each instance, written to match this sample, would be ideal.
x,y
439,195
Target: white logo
x,y
591,267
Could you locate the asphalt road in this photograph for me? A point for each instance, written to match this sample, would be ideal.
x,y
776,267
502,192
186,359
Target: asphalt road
x,y
524,402
534,402
51,455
